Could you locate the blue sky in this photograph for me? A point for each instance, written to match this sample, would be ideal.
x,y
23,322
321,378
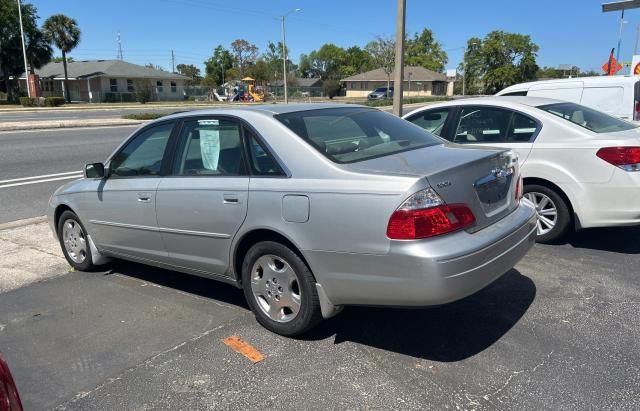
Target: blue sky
x,y
567,31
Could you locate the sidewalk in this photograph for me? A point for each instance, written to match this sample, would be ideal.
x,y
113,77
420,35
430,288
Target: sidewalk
x,y
48,124
29,253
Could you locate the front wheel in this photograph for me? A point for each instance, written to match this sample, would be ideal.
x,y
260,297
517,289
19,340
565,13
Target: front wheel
x,y
74,241
554,217
280,289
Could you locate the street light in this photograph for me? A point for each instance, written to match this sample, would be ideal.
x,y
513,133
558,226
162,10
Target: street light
x,y
284,56
24,50
464,65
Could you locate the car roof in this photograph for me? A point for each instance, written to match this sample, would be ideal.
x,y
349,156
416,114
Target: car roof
x,y
586,80
266,109
510,101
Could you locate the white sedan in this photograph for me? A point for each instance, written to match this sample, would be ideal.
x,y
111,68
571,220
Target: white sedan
x,y
581,167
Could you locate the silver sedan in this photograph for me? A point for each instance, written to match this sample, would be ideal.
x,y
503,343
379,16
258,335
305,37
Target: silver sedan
x,y
308,208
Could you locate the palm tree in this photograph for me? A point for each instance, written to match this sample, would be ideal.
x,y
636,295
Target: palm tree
x,y
64,32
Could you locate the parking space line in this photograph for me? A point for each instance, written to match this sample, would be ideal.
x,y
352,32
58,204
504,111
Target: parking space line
x,y
39,177
242,347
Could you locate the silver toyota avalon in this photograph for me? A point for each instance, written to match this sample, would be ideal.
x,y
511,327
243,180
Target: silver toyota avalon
x,y
307,208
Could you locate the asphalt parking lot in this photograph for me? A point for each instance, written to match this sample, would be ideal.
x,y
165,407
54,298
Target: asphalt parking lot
x,y
560,331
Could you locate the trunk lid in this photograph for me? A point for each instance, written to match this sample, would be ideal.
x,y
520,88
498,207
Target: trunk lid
x,y
483,178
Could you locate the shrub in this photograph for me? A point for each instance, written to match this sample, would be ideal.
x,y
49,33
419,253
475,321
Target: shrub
x,y
331,88
143,116
28,101
143,91
54,101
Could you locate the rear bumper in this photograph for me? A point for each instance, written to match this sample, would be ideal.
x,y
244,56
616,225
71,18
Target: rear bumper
x,y
427,272
615,203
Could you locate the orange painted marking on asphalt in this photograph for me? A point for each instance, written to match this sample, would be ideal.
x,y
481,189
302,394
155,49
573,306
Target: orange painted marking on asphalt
x,y
240,346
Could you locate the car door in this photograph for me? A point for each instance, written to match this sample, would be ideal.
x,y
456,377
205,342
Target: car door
x,y
122,215
435,121
496,127
202,203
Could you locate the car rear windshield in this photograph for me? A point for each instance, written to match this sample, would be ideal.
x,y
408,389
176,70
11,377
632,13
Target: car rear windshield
x,y
590,119
348,135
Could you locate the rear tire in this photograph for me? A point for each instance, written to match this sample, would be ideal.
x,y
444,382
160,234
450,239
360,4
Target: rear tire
x,y
280,289
554,217
74,241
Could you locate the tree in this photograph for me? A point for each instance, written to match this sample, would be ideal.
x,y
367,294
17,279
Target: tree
x,y
244,54
472,66
190,71
304,66
498,61
64,32
326,62
383,53
154,66
259,71
356,60
58,59
217,65
11,59
423,50
273,59
509,58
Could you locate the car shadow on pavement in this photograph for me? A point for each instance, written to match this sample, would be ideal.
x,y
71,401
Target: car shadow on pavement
x,y
191,284
446,333
613,239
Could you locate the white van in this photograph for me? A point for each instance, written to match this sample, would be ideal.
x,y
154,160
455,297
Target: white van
x,y
615,95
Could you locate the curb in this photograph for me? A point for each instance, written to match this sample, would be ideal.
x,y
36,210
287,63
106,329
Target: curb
x,y
22,223
41,125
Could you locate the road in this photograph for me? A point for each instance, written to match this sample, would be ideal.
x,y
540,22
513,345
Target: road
x,y
41,115
29,158
31,162
560,331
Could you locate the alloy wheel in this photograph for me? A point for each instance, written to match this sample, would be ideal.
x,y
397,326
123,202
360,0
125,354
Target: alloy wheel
x,y
275,287
75,241
546,211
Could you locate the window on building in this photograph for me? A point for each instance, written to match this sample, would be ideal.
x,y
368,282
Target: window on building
x,y
174,87
130,87
159,86
113,85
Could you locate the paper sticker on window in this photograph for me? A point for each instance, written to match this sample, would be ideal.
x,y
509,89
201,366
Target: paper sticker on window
x,y
210,147
208,122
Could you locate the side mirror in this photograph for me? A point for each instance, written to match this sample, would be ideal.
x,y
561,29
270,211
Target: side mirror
x,y
94,170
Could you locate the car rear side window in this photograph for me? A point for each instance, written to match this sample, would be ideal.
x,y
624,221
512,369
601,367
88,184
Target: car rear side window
x,y
482,125
590,119
522,129
261,161
142,156
209,147
347,135
432,120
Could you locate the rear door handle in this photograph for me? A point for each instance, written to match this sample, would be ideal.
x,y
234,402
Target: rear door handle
x,y
230,199
144,197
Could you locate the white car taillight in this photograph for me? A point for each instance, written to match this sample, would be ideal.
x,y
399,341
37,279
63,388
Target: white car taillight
x,y
424,215
627,158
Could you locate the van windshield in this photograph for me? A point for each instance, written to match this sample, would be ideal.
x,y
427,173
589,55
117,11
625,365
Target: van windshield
x,y
347,135
593,120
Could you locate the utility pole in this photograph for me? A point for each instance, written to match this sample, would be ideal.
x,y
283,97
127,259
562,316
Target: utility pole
x,y
284,64
24,50
120,57
173,62
620,35
399,71
284,57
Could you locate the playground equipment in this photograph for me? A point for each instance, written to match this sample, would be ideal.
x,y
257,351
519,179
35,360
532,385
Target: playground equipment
x,y
256,93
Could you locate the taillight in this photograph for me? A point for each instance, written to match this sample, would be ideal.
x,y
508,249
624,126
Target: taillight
x,y
424,215
627,158
636,115
519,189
